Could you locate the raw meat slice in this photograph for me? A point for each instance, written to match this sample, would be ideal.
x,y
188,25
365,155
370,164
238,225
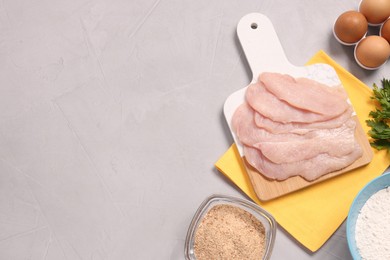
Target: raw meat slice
x,y
248,133
336,142
300,128
310,169
284,138
308,95
278,110
337,89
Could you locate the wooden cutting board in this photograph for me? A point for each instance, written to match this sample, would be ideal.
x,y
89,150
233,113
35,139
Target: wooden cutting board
x,y
264,53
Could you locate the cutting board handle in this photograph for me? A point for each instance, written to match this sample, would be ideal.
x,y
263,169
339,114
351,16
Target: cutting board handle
x,y
261,44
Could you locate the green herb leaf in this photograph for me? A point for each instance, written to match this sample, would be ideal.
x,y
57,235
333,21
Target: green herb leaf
x,y
380,129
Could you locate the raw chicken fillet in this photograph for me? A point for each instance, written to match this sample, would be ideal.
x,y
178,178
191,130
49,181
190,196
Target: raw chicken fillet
x,y
296,126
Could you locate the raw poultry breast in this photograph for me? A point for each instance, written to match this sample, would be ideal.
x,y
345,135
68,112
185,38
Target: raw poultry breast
x,y
335,142
248,133
305,94
296,126
299,127
310,169
268,105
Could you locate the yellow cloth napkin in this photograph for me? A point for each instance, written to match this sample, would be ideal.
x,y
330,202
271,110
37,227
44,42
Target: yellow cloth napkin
x,y
313,214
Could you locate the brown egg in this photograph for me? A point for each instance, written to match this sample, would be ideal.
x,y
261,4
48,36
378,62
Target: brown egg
x,y
385,30
350,27
372,51
376,11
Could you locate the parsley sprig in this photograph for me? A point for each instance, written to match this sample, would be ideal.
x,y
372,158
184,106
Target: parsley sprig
x,y
380,128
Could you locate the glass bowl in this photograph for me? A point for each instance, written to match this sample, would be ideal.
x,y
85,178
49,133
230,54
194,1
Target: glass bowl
x,y
263,216
370,189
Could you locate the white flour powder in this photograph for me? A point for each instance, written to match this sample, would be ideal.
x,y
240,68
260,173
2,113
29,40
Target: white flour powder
x,y
372,232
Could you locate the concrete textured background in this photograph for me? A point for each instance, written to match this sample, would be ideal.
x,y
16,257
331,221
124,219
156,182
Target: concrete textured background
x,y
111,119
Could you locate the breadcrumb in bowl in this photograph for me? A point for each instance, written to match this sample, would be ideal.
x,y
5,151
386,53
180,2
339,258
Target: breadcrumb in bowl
x,y
225,227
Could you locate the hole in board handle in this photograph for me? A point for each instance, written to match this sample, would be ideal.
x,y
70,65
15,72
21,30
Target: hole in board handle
x,y
254,26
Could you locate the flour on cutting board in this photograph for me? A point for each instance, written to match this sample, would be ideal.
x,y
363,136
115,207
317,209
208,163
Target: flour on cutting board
x,y
372,231
322,73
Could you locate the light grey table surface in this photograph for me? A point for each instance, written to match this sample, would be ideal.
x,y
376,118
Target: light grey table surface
x,y
111,119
